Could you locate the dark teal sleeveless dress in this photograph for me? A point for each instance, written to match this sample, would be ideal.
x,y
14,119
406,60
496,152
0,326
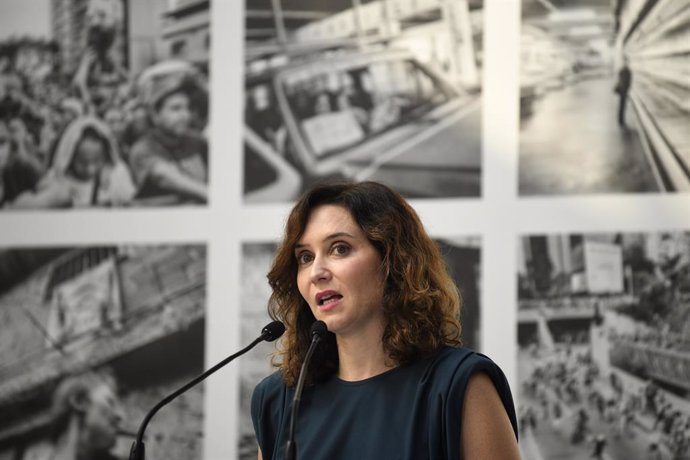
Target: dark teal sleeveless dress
x,y
411,412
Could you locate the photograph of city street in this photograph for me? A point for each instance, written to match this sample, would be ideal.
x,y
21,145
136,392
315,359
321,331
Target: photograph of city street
x,y
103,103
386,90
462,256
604,97
122,326
604,346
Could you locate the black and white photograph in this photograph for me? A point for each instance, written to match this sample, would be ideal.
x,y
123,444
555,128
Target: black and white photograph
x,y
462,256
604,97
92,338
385,90
604,346
103,103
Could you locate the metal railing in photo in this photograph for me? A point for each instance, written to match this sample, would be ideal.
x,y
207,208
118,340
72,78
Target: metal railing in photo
x,y
656,43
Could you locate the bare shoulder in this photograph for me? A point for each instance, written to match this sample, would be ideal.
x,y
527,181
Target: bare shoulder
x,y
486,428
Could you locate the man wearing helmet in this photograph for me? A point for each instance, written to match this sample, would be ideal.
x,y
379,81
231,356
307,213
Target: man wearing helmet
x,y
170,161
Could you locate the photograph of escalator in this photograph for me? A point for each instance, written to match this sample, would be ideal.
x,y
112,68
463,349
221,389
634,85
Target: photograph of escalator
x,y
604,97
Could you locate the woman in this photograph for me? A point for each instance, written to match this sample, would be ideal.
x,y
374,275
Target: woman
x,y
390,380
86,170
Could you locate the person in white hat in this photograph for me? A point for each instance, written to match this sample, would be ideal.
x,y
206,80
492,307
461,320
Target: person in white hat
x,y
86,171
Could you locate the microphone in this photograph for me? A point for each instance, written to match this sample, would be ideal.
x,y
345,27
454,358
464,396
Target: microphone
x,y
318,332
269,333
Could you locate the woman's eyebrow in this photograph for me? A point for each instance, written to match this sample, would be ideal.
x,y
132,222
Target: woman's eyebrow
x,y
332,236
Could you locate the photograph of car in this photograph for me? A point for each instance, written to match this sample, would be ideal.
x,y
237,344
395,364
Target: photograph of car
x,y
399,109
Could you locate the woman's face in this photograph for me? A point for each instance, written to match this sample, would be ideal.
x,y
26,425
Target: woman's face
x,y
89,159
339,273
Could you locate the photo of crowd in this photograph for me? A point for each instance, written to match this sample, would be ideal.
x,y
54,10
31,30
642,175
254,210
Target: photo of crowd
x,y
91,117
604,355
462,256
92,337
386,90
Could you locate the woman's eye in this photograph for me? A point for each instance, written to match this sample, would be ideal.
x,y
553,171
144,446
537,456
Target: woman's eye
x,y
341,249
303,258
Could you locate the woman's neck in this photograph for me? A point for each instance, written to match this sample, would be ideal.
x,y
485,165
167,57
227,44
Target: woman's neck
x,y
361,357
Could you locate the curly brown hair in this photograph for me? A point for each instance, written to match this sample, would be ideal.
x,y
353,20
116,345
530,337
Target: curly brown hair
x,y
421,303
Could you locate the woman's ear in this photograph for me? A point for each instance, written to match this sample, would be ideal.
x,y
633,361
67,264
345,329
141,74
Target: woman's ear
x,y
79,400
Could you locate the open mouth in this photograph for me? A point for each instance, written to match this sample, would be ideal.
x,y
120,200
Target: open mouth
x,y
329,299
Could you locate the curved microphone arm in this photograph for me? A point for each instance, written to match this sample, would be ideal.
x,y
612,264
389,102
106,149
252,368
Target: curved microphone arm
x,y
269,333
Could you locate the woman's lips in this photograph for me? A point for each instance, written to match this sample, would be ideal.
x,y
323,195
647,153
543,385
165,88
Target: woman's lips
x,y
327,300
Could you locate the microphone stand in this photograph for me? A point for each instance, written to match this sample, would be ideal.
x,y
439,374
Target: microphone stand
x,y
138,450
318,330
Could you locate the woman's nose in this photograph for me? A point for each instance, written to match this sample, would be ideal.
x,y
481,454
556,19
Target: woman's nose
x,y
319,269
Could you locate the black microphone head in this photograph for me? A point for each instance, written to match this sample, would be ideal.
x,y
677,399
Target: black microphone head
x,y
319,328
272,331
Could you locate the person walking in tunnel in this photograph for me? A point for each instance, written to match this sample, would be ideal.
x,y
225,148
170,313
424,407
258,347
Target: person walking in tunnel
x,y
622,88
